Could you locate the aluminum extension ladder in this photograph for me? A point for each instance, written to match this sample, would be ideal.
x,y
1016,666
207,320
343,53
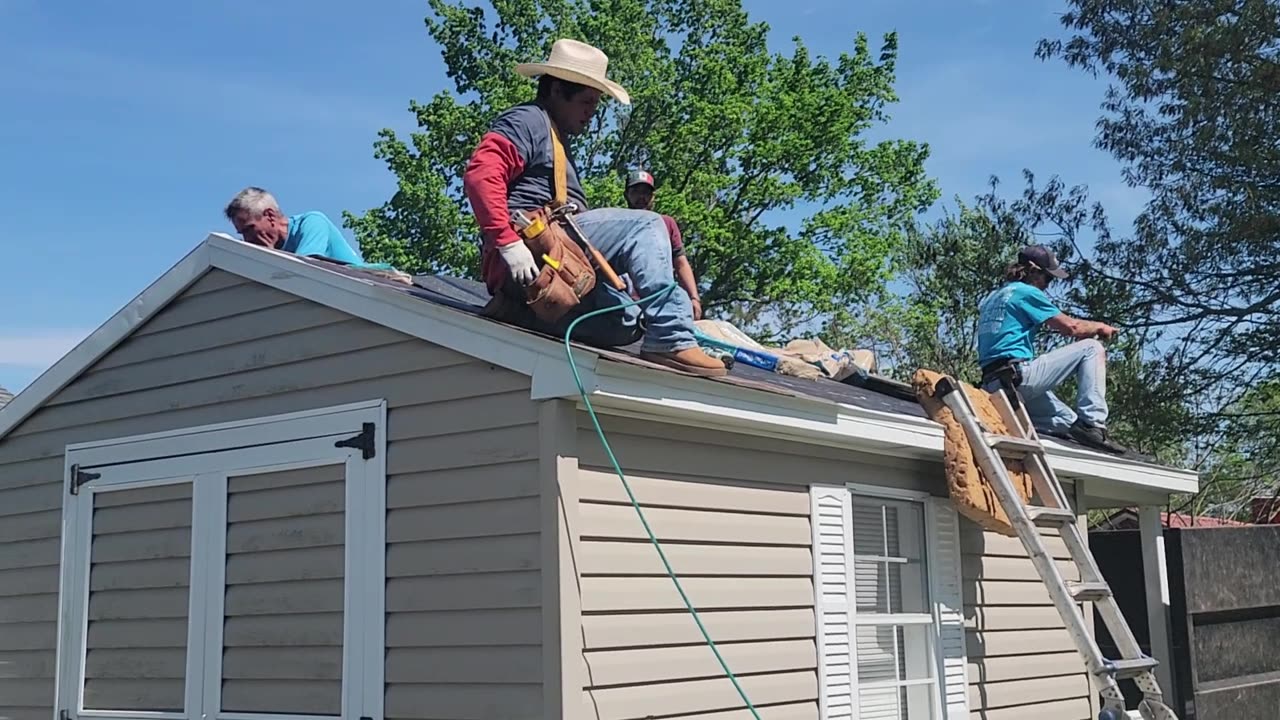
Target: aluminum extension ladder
x,y
1054,512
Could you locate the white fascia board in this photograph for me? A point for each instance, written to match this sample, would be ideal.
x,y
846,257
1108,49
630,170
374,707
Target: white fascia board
x,y
1069,460
647,394
105,338
659,395
466,334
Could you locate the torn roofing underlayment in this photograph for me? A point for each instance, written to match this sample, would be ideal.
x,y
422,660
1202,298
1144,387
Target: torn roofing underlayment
x,y
445,311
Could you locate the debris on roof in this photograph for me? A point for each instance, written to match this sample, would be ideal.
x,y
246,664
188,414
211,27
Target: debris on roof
x,y
881,394
861,390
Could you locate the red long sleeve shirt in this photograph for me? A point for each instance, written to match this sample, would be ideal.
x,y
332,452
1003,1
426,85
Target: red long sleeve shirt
x,y
511,169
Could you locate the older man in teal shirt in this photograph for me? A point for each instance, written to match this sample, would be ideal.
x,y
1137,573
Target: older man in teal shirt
x,y
257,217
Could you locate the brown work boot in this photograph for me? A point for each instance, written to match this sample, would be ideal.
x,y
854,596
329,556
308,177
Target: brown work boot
x,y
690,360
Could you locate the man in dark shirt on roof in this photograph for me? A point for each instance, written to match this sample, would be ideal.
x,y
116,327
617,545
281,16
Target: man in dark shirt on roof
x,y
512,169
640,192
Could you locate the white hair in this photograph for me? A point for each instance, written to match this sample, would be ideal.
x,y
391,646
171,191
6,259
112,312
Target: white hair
x,y
254,200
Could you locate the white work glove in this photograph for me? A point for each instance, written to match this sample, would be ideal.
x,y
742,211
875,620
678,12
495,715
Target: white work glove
x,y
519,261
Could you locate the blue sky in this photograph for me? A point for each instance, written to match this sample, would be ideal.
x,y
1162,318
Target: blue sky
x,y
129,124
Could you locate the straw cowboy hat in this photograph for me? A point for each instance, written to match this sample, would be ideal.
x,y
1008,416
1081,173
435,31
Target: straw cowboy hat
x,y
580,63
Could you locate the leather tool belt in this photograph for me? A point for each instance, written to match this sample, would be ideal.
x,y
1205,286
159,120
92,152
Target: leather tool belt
x,y
1008,372
565,273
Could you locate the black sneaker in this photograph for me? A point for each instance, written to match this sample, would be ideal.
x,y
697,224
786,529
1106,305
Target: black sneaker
x,y
1096,437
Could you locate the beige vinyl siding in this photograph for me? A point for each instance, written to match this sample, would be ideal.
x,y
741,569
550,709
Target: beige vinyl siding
x,y
732,514
30,524
1021,659
710,497
282,626
139,587
462,465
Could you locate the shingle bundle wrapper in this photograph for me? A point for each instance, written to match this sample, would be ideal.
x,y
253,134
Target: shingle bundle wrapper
x,y
971,491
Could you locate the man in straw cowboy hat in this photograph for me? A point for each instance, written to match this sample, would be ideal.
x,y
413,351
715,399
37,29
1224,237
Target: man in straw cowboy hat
x,y
512,176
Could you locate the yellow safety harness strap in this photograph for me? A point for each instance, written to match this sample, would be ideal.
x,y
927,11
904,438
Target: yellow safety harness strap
x,y
559,165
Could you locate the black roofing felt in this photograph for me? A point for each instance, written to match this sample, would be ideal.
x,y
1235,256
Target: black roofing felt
x,y
882,395
470,297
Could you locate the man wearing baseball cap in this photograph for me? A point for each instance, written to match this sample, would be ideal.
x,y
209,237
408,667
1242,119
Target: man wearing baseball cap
x,y
639,192
1009,318
514,169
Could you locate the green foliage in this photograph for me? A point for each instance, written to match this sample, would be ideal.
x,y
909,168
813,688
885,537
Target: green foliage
x,y
738,138
1192,113
1246,461
945,269
929,318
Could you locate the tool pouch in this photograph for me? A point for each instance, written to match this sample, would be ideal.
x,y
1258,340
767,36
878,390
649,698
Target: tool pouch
x,y
1009,376
562,281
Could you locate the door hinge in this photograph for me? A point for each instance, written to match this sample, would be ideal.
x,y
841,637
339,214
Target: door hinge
x,y
80,477
64,715
362,442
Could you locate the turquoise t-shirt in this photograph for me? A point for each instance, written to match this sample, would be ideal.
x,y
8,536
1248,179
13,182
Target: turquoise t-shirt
x,y
1008,318
313,233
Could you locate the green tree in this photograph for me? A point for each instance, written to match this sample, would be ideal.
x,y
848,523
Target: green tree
x,y
741,140
929,315
1192,113
1245,462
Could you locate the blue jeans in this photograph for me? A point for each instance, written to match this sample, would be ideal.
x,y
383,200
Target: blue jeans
x,y
1087,360
635,243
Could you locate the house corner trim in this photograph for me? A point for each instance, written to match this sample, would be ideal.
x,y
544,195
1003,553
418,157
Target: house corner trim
x,y
562,666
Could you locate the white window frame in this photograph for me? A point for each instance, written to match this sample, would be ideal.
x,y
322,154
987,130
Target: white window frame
x,y
206,456
836,605
900,497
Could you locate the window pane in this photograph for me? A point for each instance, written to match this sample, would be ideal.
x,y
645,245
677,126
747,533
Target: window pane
x,y
883,704
907,588
890,573
909,531
871,586
914,652
888,653
918,701
896,703
869,528
877,653
139,588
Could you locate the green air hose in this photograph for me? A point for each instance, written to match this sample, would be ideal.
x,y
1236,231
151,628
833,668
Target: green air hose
x,y
568,349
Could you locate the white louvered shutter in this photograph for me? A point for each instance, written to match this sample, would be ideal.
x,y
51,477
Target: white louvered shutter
x,y
832,563
949,600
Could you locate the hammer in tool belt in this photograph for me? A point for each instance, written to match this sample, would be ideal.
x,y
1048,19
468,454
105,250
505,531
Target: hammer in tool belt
x,y
565,213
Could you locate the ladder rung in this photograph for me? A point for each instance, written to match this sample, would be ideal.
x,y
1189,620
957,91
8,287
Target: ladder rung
x,y
1019,442
1089,591
1129,667
1014,447
1050,517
